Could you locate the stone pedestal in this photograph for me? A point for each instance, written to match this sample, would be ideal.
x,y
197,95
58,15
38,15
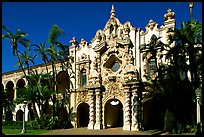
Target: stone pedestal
x,y
127,127
91,126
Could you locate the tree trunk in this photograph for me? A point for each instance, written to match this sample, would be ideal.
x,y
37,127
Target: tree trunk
x,y
21,66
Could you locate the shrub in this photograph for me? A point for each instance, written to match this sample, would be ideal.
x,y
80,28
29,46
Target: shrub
x,y
33,124
184,128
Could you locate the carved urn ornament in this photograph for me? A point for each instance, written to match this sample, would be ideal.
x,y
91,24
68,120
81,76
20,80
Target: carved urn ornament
x,y
169,15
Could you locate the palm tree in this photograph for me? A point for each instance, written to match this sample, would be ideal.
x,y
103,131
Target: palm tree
x,y
52,50
42,51
52,39
152,49
28,94
18,37
188,48
189,38
25,58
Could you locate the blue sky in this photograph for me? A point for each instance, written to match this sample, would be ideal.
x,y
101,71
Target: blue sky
x,y
81,19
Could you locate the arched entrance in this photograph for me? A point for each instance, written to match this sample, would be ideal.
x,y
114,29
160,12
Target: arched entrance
x,y
9,100
113,113
10,90
63,115
20,85
19,115
83,115
152,114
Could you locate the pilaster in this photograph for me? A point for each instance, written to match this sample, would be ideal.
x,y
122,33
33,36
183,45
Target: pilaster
x,y
91,110
135,108
127,110
98,124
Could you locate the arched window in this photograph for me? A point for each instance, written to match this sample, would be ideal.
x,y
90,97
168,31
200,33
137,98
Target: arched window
x,y
83,78
152,66
115,67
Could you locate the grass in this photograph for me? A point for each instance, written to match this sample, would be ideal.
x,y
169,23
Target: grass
x,y
28,132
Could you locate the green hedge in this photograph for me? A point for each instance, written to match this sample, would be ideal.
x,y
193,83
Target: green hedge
x,y
44,122
16,125
12,124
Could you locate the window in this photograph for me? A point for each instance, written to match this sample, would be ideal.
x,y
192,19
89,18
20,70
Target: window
x,y
152,66
115,67
83,78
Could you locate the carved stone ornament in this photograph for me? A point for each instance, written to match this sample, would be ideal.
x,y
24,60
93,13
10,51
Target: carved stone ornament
x,y
113,89
84,56
83,42
98,36
74,41
151,24
169,15
126,29
94,79
82,96
130,74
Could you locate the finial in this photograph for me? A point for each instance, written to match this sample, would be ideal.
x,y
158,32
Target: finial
x,y
191,4
74,41
113,11
169,15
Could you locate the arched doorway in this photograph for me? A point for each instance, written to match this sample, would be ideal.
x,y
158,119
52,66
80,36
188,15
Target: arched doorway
x,y
63,115
10,90
152,114
113,113
83,115
9,100
20,85
19,115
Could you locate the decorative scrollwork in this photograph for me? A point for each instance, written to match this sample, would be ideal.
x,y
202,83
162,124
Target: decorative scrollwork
x,y
82,96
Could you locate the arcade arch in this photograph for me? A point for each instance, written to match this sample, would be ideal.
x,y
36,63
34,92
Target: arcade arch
x,y
19,85
82,115
19,115
113,113
10,90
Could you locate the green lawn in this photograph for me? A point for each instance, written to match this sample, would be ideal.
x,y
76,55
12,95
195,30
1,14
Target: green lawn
x,y
18,132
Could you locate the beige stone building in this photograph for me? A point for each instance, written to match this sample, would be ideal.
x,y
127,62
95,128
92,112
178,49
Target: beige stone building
x,y
106,90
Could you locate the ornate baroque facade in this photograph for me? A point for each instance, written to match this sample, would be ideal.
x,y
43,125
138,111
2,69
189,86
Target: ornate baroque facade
x,y
106,90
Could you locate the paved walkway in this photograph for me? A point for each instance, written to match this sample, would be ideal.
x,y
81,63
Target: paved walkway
x,y
109,131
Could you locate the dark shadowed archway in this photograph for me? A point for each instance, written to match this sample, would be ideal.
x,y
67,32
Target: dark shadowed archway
x,y
20,85
63,115
152,114
10,90
19,115
82,115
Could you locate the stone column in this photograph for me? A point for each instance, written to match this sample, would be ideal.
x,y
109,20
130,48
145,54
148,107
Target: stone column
x,y
98,124
15,93
127,110
135,106
91,109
